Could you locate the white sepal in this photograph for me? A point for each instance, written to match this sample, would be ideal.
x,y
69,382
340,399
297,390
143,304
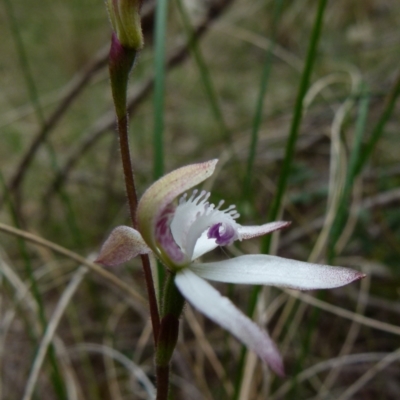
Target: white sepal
x,y
261,269
122,244
221,310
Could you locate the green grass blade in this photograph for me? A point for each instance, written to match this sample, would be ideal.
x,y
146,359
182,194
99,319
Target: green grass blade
x,y
246,192
355,158
34,98
204,73
246,195
56,376
290,148
380,126
24,62
297,118
160,34
294,130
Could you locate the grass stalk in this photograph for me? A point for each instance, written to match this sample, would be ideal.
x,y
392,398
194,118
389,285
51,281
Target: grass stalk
x,y
355,157
246,194
160,34
122,286
205,74
377,132
49,333
70,219
34,98
56,376
297,118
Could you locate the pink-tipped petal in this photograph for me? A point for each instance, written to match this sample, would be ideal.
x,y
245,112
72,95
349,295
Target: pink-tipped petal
x,y
164,191
221,310
123,244
260,269
248,232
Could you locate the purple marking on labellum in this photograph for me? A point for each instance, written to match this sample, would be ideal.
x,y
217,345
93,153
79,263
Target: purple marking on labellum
x,y
164,235
223,233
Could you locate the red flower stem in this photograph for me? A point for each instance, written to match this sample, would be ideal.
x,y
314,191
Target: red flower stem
x,y
155,318
121,62
132,202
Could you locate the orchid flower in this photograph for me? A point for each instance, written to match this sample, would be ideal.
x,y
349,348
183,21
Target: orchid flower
x,y
179,233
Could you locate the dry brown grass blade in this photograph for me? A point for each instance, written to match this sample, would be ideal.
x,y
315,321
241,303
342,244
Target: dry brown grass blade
x,y
72,383
384,199
341,312
351,337
111,372
363,380
76,257
77,84
326,365
207,349
51,329
134,369
247,386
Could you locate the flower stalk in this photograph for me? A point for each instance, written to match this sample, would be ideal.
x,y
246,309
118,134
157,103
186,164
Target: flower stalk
x,y
121,61
172,307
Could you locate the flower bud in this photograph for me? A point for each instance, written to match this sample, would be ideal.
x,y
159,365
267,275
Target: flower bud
x,y
125,20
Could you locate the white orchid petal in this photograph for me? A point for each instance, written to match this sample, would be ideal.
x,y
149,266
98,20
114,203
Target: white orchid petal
x,y
221,310
203,245
122,244
185,226
260,269
164,191
248,232
195,215
216,218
